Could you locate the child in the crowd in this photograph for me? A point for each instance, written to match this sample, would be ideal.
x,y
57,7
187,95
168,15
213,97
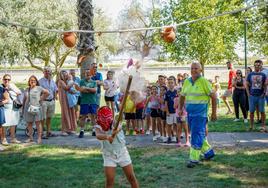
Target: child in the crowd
x,y
114,150
139,115
179,81
170,95
71,94
185,76
147,111
110,86
155,105
217,88
181,121
130,113
162,112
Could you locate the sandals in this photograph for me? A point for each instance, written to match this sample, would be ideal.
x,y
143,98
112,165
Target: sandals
x,y
263,130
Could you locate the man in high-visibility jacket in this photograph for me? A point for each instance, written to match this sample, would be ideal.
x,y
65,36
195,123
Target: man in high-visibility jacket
x,y
196,93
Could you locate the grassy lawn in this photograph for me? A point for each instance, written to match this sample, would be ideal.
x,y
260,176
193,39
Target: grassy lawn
x,y
49,166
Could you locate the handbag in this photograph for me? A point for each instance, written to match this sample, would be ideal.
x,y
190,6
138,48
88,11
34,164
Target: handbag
x,y
34,110
16,104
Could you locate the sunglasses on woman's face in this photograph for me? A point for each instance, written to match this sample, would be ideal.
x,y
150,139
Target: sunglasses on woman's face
x,y
7,79
239,73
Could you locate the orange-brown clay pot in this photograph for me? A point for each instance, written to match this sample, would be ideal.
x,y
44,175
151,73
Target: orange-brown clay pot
x,y
168,34
69,39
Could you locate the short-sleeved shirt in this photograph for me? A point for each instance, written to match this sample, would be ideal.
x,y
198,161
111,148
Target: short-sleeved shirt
x,y
232,74
130,106
118,143
256,81
98,76
169,98
197,95
88,98
34,95
50,85
112,87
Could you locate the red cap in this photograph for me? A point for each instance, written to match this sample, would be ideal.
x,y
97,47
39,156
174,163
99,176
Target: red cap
x,y
105,118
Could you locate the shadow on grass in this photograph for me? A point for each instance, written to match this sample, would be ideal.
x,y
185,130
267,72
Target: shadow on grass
x,y
47,166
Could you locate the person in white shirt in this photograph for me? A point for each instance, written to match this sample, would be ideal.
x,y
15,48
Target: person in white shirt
x,y
110,86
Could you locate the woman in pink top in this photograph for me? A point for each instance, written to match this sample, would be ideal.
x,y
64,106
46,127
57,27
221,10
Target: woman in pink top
x,y
155,105
181,122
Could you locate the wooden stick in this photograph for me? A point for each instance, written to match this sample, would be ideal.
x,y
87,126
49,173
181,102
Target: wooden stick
x,y
123,105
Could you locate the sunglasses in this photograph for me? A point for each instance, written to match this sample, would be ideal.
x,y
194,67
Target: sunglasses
x,y
239,73
6,79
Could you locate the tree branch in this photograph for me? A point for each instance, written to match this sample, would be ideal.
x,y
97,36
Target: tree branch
x,y
32,64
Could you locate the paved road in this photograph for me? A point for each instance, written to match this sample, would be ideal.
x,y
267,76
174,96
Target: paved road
x,y
253,139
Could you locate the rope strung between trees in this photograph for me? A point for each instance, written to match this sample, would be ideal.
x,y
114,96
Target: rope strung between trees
x,y
135,29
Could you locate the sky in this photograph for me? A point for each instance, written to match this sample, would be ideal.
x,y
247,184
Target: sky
x,y
113,7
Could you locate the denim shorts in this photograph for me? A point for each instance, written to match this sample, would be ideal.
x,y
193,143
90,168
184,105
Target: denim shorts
x,y
88,109
256,101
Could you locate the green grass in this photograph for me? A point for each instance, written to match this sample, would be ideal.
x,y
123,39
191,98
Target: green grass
x,y
50,166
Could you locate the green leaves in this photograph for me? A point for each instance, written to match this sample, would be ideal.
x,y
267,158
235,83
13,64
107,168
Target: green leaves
x,y
207,41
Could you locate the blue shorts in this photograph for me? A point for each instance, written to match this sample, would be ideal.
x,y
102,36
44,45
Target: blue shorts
x,y
256,101
147,111
88,109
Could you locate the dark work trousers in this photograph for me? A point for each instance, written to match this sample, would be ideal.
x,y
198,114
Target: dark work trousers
x,y
239,99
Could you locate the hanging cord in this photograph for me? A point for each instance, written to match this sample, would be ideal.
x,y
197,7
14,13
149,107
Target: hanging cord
x,y
135,29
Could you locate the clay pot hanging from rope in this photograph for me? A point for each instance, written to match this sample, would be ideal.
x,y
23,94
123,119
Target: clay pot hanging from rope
x,y
168,34
69,39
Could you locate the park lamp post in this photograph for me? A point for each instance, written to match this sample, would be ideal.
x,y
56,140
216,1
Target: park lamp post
x,y
245,42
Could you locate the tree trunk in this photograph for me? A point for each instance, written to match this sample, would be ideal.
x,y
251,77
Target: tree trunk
x,y
86,45
203,67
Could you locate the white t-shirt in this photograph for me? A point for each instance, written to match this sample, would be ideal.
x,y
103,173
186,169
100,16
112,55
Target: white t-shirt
x,y
112,87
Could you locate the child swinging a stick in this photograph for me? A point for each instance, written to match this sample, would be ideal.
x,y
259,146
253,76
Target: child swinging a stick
x,y
114,150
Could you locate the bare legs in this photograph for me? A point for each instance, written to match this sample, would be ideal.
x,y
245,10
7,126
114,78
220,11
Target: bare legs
x,y
128,170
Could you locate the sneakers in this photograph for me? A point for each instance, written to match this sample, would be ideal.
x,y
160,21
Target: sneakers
x,y
127,133
179,144
168,140
187,144
154,138
191,164
134,133
236,120
173,139
4,142
148,132
245,121
15,141
81,134
141,131
93,133
1,148
165,139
